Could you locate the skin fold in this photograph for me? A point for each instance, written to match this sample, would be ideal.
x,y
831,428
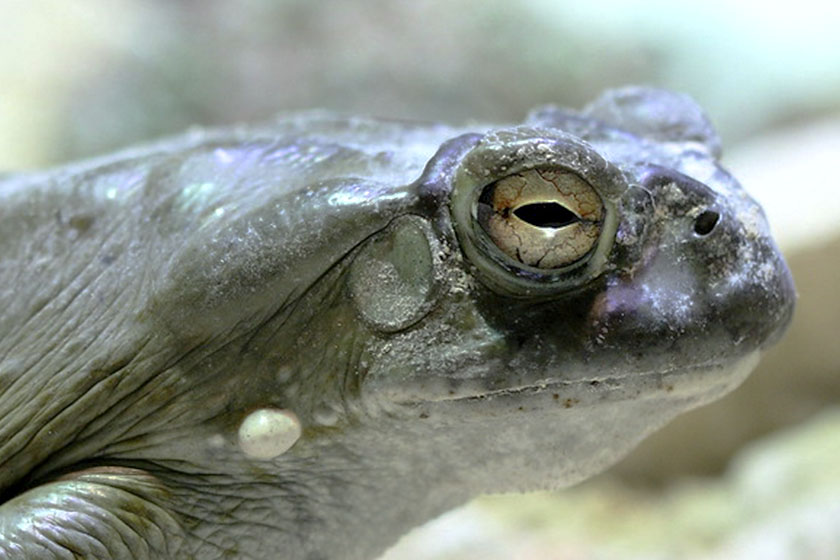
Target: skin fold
x,y
298,340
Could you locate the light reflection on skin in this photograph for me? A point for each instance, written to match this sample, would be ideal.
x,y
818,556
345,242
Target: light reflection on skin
x,y
350,198
223,156
122,187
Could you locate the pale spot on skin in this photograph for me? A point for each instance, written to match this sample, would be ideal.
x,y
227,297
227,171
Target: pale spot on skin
x,y
268,433
284,374
216,441
326,415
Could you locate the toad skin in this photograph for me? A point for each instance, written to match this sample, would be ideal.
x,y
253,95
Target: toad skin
x,y
301,339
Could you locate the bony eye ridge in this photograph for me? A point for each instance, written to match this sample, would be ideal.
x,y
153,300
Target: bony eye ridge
x,y
546,219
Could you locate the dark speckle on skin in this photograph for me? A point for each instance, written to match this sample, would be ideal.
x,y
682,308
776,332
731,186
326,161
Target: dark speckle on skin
x,y
81,223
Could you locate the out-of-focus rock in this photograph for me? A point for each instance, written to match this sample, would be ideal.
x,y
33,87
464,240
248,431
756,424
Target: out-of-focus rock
x,y
787,489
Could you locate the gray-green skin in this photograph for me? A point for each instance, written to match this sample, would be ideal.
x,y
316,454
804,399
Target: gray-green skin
x,y
329,266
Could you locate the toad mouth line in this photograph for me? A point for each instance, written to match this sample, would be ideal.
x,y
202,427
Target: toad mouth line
x,y
709,377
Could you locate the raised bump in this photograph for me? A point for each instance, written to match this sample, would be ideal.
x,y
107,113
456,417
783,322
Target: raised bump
x,y
268,433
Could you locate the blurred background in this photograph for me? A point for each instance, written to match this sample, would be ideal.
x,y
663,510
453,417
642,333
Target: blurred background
x,y
754,476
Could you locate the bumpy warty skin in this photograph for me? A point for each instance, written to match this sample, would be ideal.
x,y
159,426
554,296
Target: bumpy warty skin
x,y
301,339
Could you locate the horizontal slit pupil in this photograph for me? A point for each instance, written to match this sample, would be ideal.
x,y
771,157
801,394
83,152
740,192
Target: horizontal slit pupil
x,y
546,215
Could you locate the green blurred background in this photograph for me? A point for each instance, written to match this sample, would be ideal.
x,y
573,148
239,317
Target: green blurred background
x,y
81,77
759,469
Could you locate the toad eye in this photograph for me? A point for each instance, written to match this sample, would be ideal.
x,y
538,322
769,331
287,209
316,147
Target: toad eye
x,y
542,218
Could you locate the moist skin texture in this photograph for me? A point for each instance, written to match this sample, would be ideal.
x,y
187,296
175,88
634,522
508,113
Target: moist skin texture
x,y
297,340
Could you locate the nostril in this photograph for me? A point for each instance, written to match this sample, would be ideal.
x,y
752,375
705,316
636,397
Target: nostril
x,y
706,222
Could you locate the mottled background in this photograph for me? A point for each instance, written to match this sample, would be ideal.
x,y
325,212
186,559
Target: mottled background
x,y
81,78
